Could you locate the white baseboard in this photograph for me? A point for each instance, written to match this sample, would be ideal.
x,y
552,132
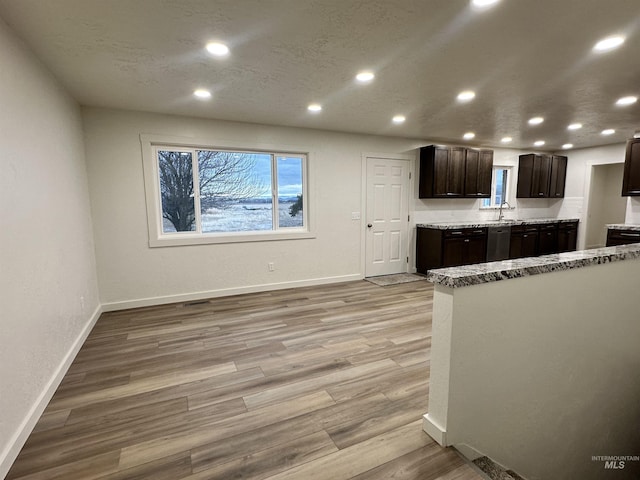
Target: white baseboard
x,y
224,292
434,430
10,453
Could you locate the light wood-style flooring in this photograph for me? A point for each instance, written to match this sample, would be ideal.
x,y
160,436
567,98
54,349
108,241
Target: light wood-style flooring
x,y
326,382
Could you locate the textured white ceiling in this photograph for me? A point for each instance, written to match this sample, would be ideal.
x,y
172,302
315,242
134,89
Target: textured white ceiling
x,y
523,58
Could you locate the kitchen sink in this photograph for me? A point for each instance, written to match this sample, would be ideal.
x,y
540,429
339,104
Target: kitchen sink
x,y
504,221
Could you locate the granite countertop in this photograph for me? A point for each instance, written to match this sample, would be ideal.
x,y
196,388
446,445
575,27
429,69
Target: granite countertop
x,y
495,271
622,226
492,223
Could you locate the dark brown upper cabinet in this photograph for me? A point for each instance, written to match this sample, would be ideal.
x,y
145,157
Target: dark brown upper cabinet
x,y
558,176
541,176
631,178
478,171
455,172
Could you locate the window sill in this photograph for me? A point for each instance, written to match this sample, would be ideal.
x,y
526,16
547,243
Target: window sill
x,y
182,239
496,207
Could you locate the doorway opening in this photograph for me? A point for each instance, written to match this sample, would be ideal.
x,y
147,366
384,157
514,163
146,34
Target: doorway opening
x,y
606,204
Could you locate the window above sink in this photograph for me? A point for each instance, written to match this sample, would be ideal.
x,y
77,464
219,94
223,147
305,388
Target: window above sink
x,y
500,191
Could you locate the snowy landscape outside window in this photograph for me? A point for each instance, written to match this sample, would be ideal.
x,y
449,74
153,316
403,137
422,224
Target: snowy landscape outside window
x,y
206,191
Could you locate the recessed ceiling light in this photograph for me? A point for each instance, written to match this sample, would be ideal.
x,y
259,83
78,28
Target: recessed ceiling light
x,y
608,131
217,49
536,120
567,146
627,100
483,3
506,140
365,77
398,119
466,96
539,143
469,135
202,93
575,126
314,107
609,43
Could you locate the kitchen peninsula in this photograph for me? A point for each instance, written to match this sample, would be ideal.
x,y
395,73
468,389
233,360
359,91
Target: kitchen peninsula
x,y
525,350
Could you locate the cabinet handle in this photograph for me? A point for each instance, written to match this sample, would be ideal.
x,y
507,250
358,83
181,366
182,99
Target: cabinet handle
x,y
477,231
540,194
466,240
525,236
634,235
456,233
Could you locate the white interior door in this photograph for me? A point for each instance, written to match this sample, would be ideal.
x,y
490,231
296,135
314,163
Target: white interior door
x,y
387,216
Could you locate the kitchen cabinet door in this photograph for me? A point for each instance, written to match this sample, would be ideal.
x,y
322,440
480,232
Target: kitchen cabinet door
x,y
475,249
631,178
541,176
485,172
478,171
525,176
558,176
455,176
441,172
524,242
453,252
567,237
547,239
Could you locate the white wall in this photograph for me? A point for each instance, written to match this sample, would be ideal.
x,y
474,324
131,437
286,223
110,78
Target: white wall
x,y
540,373
48,287
132,273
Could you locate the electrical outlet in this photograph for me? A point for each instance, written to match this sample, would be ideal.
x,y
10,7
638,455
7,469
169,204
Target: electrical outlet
x,y
271,266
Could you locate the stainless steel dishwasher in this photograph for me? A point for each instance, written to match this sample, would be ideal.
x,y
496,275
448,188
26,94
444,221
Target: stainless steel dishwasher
x,y
498,242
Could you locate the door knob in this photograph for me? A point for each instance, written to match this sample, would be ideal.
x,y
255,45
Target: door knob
x,y
369,225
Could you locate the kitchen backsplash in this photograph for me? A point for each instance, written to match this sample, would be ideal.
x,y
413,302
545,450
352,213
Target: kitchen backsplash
x,y
447,210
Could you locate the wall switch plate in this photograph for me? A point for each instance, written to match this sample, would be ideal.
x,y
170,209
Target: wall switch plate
x,y
355,215
271,266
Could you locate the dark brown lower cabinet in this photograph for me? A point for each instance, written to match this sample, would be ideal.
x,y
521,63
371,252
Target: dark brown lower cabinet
x,y
524,241
617,236
464,250
437,248
567,237
547,238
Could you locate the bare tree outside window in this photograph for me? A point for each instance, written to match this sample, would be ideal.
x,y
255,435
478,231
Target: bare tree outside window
x,y
176,189
225,178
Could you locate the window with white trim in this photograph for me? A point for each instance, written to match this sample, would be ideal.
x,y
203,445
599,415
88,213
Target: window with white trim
x,y
223,195
499,187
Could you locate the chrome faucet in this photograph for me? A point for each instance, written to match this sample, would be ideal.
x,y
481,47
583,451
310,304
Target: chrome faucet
x,y
501,214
